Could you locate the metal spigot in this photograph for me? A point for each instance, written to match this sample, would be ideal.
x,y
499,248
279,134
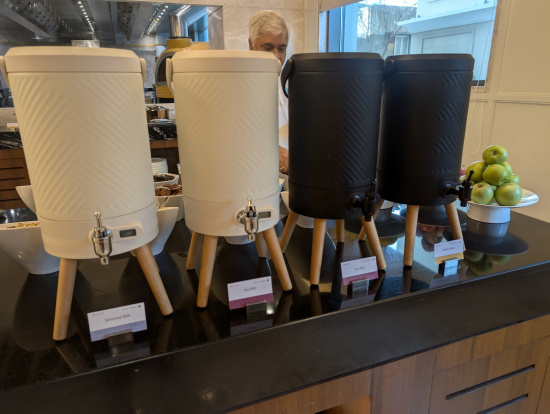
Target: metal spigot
x,y
249,218
464,191
367,203
102,240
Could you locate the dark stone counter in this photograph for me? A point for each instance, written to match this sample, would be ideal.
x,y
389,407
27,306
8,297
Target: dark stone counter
x,y
214,360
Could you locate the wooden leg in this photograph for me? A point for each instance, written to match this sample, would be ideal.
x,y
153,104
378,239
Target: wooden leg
x,y
277,256
193,250
65,288
207,266
150,269
410,233
340,232
260,245
319,227
454,221
291,221
374,241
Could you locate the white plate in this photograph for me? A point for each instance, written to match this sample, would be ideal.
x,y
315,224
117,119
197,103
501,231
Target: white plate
x,y
493,213
528,198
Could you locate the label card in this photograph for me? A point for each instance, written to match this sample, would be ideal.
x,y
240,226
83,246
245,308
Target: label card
x,y
109,322
250,291
445,251
359,269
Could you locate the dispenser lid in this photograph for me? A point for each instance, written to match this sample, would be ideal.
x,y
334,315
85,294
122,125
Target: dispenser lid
x,y
429,62
336,62
224,61
70,59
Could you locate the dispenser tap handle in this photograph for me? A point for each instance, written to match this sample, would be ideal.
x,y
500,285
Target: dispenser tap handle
x,y
249,218
369,202
102,240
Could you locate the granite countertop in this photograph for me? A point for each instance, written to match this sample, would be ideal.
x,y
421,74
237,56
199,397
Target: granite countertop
x,y
217,359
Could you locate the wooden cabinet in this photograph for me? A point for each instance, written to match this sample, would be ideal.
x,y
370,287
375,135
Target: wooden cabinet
x,y
503,371
13,172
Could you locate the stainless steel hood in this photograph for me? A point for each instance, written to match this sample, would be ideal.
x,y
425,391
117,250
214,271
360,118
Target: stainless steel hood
x,y
58,21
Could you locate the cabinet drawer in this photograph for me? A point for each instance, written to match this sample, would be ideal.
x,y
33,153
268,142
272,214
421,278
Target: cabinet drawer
x,y
506,382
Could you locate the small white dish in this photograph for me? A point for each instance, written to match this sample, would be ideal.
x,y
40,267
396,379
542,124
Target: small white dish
x,y
25,246
173,180
237,239
25,192
173,201
303,221
493,213
167,220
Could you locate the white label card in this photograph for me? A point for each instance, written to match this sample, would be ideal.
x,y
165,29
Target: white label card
x,y
445,251
359,269
109,322
250,291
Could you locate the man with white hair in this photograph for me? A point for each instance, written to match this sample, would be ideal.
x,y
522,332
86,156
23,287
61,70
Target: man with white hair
x,y
269,32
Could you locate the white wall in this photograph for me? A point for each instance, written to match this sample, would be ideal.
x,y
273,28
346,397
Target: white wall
x,y
514,109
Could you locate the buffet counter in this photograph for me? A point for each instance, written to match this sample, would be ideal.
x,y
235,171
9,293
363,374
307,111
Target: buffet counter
x,y
411,343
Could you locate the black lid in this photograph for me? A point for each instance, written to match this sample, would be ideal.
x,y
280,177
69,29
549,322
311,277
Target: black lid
x,y
429,62
336,62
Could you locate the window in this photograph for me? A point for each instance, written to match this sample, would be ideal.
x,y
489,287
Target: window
x,y
398,27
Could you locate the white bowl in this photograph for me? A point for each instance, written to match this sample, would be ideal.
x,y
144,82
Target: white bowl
x,y
25,192
281,183
303,221
173,201
173,180
167,221
237,239
25,245
283,177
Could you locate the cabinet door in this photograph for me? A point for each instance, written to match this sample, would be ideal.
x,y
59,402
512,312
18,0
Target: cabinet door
x,y
508,382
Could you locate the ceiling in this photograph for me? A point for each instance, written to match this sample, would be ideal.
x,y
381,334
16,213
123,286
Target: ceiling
x,y
59,21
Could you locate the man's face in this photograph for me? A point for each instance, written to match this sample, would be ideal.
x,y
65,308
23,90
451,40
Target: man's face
x,y
271,43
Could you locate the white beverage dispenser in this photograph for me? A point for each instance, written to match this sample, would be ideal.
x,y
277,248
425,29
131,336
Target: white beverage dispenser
x,y
226,114
84,131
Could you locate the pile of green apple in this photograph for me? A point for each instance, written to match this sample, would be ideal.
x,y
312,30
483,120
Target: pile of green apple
x,y
493,178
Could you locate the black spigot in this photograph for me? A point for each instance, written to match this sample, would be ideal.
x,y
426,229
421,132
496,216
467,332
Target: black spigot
x,y
367,203
464,191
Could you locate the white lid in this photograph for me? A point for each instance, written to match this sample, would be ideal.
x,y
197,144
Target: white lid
x,y
224,61
70,59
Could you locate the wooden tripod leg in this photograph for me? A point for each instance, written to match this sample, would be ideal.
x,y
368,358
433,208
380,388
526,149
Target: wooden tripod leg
x,y
374,241
410,233
340,231
207,266
317,245
193,250
260,245
277,256
291,221
150,270
65,288
362,233
454,222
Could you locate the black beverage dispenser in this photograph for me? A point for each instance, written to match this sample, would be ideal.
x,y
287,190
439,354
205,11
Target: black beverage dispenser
x,y
423,122
334,113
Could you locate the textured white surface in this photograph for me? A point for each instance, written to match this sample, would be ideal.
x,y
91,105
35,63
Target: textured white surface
x,y
227,135
86,143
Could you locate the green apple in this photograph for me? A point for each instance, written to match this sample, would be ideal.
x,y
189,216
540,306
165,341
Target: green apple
x,y
494,154
499,259
473,256
478,167
481,267
495,174
482,193
513,178
507,166
508,194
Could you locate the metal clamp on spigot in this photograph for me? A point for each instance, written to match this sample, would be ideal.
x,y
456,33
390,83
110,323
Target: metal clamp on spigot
x,y
464,191
249,219
102,240
367,203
